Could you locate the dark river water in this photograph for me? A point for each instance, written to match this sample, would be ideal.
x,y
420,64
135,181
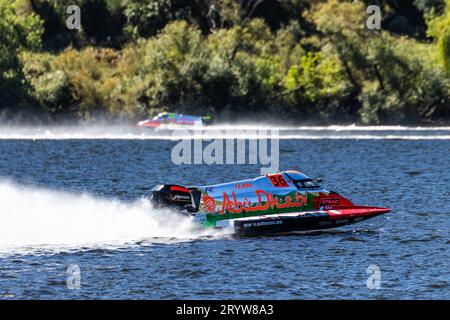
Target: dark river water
x,y
78,202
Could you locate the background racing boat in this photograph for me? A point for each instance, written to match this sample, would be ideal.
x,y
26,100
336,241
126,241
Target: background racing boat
x,y
170,120
284,202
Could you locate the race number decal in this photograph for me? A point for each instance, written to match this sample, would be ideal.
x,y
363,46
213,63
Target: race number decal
x,y
277,180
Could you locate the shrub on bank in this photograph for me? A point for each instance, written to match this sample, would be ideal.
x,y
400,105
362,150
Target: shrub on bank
x,y
311,68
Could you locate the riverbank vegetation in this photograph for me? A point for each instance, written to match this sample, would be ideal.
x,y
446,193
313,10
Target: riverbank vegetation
x,y
296,60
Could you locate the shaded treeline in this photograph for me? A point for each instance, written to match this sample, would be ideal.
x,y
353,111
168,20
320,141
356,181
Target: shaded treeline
x,y
296,60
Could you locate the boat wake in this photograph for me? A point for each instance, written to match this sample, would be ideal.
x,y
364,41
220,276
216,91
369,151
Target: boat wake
x,y
225,131
33,219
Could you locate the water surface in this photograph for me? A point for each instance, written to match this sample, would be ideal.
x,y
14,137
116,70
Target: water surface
x,y
78,197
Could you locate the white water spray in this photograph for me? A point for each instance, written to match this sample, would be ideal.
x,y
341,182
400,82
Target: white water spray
x,y
40,218
225,131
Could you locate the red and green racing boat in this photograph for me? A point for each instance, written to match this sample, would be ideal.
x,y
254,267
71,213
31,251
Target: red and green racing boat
x,y
288,201
171,121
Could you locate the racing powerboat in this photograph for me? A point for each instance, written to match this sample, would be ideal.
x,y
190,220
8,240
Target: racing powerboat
x,y
288,201
170,120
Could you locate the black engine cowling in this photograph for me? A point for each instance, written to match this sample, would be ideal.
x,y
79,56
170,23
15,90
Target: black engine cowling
x,y
182,199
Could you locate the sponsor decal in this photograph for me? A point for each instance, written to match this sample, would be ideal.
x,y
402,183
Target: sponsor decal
x,y
243,185
330,202
209,203
266,200
179,197
262,223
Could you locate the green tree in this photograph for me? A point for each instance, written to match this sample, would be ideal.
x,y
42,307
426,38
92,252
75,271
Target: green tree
x,y
19,30
439,28
146,18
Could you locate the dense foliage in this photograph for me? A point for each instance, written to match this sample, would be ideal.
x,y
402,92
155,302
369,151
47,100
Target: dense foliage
x,y
299,60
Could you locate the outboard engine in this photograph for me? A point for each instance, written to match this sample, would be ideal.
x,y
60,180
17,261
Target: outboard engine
x,y
179,198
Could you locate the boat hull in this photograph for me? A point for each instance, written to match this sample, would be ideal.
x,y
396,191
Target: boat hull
x,y
304,221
